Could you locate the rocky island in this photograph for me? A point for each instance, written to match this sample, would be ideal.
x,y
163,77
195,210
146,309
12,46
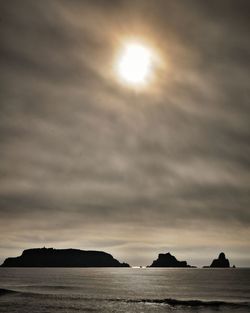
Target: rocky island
x,y
221,262
49,257
168,260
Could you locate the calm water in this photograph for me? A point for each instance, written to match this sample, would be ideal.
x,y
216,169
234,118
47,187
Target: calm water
x,y
124,290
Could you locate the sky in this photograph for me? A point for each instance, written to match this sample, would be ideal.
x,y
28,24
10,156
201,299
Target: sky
x,y
91,163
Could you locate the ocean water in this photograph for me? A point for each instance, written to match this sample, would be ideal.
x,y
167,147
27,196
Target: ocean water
x,y
66,290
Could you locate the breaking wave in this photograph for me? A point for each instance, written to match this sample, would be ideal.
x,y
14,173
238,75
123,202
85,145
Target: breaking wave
x,y
168,301
191,303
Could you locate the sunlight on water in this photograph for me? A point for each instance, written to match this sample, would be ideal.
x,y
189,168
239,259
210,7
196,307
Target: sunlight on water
x,y
124,290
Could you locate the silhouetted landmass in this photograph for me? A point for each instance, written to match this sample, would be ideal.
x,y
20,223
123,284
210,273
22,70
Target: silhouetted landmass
x,y
221,262
168,260
49,257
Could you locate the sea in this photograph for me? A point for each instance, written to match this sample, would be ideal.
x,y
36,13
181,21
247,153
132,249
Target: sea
x,y
105,290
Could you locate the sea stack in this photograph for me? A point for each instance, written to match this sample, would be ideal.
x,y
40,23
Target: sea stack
x,y
49,257
221,261
168,260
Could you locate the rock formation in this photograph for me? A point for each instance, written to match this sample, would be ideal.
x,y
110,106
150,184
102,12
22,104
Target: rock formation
x,y
168,260
49,257
221,261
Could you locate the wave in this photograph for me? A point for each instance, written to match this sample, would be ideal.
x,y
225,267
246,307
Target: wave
x,y
6,291
168,301
53,287
192,302
43,287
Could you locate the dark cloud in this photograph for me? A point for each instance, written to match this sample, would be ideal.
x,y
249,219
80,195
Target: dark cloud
x,y
89,163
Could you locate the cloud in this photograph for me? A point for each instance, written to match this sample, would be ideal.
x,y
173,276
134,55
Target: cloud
x,y
86,162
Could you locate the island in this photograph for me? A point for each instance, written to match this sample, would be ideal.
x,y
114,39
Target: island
x,y
221,262
50,257
168,260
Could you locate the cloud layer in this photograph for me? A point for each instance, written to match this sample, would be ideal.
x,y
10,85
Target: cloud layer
x,y
89,163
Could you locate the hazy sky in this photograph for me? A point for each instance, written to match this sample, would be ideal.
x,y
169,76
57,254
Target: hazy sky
x,y
86,162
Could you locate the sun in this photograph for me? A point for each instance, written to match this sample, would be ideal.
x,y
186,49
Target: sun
x,y
134,63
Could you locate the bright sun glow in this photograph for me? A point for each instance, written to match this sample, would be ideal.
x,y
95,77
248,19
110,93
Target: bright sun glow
x,y
135,64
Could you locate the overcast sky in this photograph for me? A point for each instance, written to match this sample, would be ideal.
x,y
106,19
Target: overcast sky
x,y
86,162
